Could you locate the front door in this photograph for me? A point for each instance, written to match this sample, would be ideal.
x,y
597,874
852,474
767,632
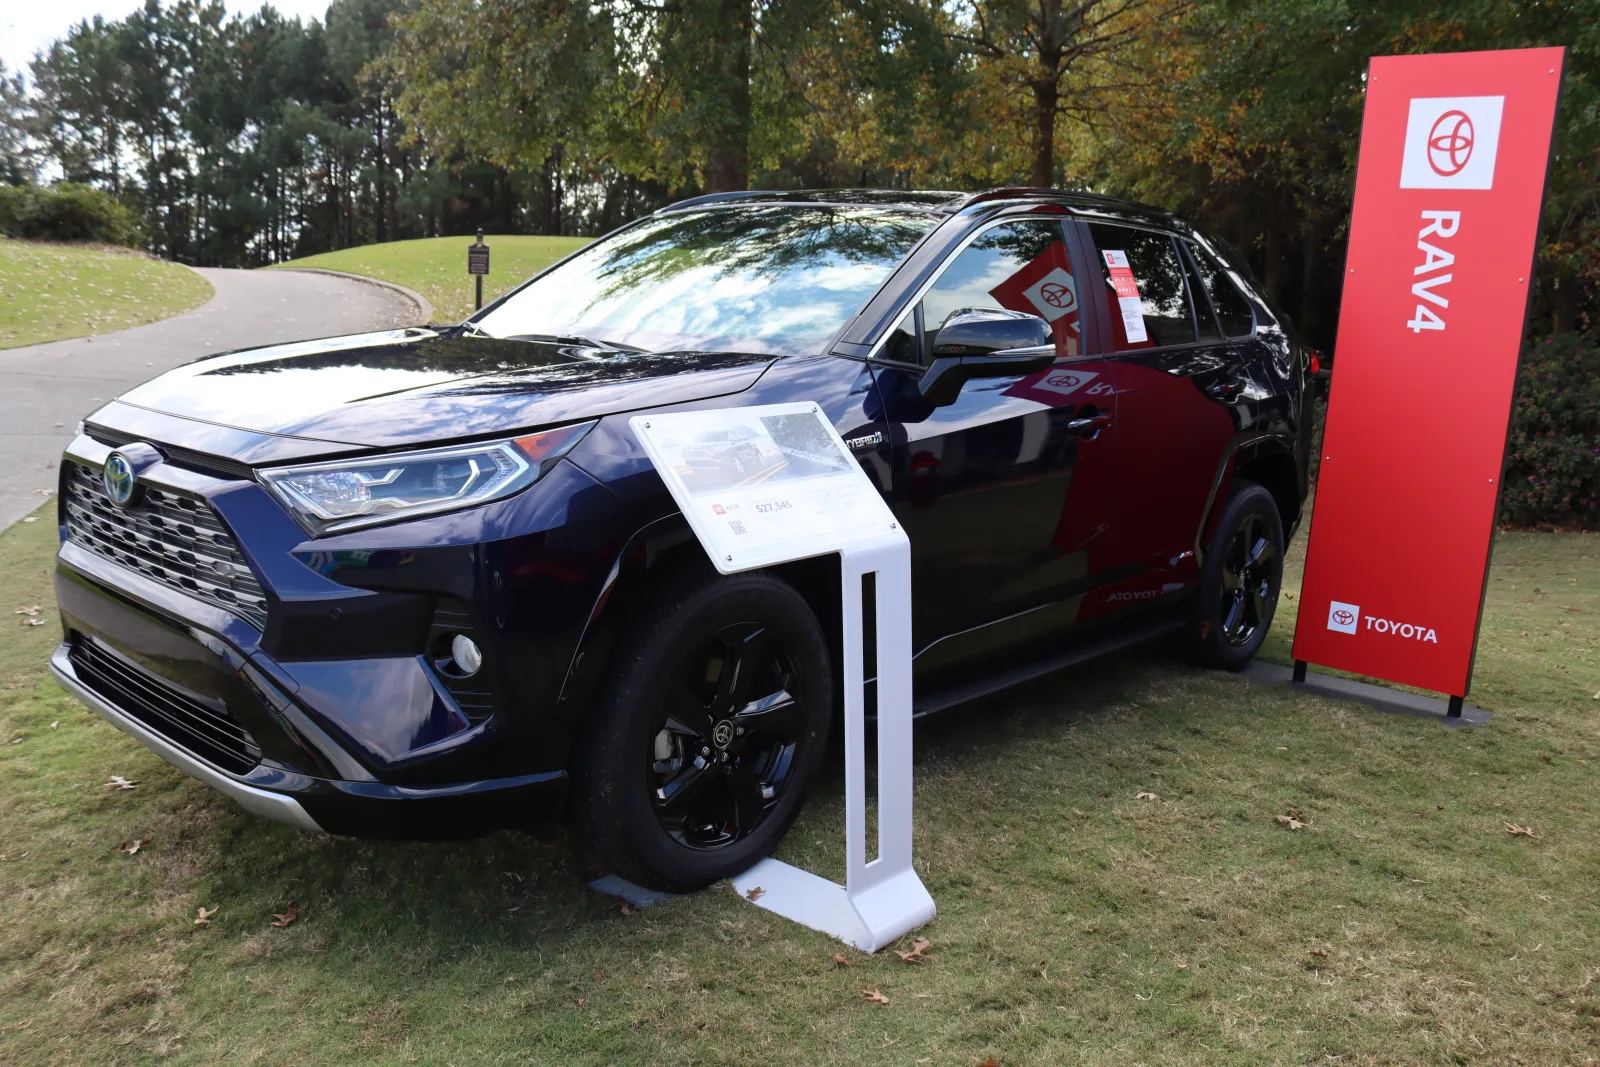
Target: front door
x,y
1006,494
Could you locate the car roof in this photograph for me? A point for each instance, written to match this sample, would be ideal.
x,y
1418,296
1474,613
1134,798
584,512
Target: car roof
x,y
932,201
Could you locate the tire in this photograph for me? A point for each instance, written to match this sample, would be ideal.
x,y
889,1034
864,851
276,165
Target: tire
x,y
696,765
1239,583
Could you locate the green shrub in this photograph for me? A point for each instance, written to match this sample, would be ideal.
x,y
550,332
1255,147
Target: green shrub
x,y
65,211
1553,469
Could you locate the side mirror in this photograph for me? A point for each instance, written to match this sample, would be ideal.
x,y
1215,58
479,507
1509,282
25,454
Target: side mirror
x,y
984,343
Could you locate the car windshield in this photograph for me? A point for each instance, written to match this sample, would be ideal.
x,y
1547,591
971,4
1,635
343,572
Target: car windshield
x,y
771,279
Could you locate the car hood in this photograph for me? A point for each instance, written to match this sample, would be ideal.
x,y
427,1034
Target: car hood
x,y
405,387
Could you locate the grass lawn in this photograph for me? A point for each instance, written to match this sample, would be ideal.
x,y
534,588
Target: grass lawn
x,y
436,267
1078,923
49,292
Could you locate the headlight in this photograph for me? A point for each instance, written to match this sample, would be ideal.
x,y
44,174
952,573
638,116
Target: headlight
x,y
350,493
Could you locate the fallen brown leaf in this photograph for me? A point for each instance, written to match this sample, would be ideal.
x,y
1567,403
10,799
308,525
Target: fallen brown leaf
x,y
1317,952
918,953
33,610
33,622
1544,757
1145,796
755,894
287,918
842,960
874,997
133,846
990,1062
622,906
116,781
204,916
1525,831
1294,820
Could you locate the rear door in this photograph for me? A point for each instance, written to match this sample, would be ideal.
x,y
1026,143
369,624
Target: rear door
x,y
1006,494
1177,379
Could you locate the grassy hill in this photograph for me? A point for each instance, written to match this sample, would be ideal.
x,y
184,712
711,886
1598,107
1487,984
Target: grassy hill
x,y
436,267
49,292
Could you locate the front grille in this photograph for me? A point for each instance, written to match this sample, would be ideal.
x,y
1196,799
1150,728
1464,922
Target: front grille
x,y
206,729
171,537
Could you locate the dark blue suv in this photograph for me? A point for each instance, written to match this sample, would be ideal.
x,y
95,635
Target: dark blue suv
x,y
425,583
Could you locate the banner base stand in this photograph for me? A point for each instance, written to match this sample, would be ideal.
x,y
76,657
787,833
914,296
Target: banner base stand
x,y
636,895
869,920
1451,712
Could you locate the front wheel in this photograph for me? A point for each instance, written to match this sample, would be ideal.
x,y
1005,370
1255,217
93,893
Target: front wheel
x,y
704,742
1239,584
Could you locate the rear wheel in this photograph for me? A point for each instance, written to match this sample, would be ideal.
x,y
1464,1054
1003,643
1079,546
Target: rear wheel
x,y
1239,584
704,742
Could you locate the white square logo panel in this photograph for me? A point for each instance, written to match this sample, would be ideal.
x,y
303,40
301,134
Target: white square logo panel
x,y
1343,617
1451,142
1054,295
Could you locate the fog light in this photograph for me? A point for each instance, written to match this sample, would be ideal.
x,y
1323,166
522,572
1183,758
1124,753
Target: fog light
x,y
466,653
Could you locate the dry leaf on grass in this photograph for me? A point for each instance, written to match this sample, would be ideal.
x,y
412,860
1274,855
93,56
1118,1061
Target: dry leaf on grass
x,y
131,847
622,906
918,953
33,622
33,610
1319,953
116,781
1524,831
874,997
990,1062
841,959
1145,796
204,916
287,918
30,518
1294,820
755,894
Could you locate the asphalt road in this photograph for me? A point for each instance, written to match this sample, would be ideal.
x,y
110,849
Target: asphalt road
x,y
47,388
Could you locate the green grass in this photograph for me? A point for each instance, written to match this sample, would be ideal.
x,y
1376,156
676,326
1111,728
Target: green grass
x,y
1077,923
436,267
50,292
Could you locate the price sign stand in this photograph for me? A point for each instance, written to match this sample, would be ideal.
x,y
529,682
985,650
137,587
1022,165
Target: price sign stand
x,y
806,497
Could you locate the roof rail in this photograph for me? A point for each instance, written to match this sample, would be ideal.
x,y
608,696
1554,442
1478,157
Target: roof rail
x,y
714,198
1021,192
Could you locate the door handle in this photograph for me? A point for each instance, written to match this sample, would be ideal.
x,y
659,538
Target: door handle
x,y
1225,391
1089,425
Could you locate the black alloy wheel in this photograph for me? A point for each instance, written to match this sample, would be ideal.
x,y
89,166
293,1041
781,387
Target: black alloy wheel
x,y
715,715
1239,581
722,749
1247,581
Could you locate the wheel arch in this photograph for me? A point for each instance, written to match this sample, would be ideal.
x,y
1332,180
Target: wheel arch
x,y
1266,459
658,555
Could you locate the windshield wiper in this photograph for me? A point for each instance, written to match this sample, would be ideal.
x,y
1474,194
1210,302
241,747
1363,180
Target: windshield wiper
x,y
573,339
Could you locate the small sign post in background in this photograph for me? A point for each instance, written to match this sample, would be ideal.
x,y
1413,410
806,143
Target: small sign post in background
x,y
807,497
478,264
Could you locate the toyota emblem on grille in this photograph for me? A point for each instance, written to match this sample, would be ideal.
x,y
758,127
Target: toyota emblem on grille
x,y
119,480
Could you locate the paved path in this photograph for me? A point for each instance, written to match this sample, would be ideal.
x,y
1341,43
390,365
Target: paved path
x,y
45,389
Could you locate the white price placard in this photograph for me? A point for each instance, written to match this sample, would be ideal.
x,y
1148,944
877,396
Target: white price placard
x,y
763,485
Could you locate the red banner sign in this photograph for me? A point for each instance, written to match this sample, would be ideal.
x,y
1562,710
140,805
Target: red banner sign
x,y
1449,188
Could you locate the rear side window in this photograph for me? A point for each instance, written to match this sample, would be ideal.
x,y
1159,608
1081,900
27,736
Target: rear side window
x,y
1233,310
1144,278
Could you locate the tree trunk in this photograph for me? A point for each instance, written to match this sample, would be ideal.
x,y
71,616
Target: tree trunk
x,y
1046,92
1564,303
728,140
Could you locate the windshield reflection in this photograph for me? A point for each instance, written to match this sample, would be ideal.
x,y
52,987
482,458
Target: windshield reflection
x,y
771,279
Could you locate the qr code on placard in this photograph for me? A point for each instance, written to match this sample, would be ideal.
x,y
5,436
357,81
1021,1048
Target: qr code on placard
x,y
736,526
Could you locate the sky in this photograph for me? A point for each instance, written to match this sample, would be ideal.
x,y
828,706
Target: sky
x,y
29,25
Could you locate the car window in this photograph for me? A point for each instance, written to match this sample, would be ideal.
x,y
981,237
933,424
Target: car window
x,y
1018,266
1205,322
1144,277
778,279
1233,310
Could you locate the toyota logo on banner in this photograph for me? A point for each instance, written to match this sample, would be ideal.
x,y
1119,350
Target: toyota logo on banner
x,y
1451,142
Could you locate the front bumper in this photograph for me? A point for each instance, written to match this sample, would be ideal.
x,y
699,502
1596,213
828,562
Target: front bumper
x,y
361,809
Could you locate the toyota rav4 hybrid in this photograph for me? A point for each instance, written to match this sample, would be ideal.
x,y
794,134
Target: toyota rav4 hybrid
x,y
425,583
